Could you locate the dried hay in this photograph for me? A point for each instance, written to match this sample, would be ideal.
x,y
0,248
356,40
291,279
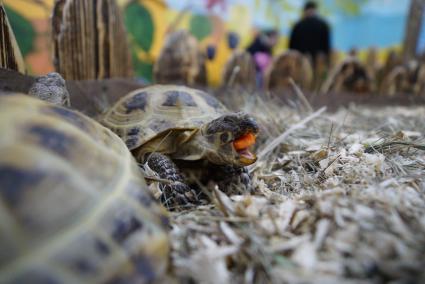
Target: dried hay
x,y
340,199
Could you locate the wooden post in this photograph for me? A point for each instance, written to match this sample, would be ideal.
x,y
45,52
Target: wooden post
x,y
413,28
10,54
90,40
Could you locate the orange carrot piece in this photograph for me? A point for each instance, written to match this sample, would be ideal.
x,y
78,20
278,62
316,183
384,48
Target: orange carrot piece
x,y
244,141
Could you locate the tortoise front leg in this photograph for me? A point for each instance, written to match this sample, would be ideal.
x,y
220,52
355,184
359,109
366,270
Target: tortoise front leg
x,y
231,179
175,192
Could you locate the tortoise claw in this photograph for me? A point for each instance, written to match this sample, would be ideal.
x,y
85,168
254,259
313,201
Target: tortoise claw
x,y
178,194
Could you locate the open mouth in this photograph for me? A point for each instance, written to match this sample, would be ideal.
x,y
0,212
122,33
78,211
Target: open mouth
x,y
242,145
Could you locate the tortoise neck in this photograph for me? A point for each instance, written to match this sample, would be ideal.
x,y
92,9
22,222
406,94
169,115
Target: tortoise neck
x,y
189,146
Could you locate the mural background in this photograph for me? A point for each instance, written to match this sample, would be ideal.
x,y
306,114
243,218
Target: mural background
x,y
355,23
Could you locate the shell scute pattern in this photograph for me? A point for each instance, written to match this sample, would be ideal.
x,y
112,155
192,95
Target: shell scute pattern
x,y
124,226
132,142
63,189
14,181
67,115
212,102
133,131
81,262
137,102
158,125
53,140
101,247
169,107
37,276
178,98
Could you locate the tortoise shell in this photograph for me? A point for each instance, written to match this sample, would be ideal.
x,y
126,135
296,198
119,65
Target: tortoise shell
x,y
74,207
349,76
179,61
145,113
239,71
289,64
404,79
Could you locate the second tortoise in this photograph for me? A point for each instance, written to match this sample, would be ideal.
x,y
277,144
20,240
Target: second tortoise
x,y
164,124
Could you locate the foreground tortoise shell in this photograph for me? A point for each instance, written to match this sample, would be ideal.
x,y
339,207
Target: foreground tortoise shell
x,y
74,207
144,114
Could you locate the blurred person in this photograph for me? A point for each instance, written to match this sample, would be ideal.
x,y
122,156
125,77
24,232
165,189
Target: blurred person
x,y
261,49
311,34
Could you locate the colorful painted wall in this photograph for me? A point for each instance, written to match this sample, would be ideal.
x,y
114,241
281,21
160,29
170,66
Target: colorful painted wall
x,y
355,23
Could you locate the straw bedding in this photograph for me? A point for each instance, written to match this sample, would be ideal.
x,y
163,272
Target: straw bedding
x,y
339,198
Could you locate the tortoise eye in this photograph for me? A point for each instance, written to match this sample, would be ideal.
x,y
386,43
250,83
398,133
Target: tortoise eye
x,y
226,137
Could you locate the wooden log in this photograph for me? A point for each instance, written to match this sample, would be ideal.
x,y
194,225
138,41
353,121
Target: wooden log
x,y
10,54
90,40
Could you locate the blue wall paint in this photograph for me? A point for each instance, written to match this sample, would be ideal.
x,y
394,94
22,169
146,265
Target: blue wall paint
x,y
379,23
368,30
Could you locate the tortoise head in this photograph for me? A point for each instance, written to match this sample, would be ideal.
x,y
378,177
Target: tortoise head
x,y
229,138
51,88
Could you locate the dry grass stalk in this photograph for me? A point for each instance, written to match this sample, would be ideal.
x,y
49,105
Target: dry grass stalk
x,y
278,140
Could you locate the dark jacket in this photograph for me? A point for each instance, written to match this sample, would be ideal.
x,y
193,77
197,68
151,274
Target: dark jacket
x,y
311,35
258,46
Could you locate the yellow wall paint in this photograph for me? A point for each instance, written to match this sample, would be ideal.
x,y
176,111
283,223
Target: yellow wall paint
x,y
31,11
159,13
241,19
215,67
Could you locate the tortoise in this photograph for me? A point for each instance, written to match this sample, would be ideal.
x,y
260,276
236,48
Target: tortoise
x,y
74,206
349,76
372,63
180,61
239,71
407,78
289,64
164,125
392,60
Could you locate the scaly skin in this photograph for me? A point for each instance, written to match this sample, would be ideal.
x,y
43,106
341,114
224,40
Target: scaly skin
x,y
51,88
235,179
177,192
